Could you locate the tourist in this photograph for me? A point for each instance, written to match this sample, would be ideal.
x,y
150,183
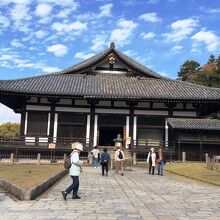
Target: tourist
x,y
161,161
74,171
96,155
105,157
151,158
119,160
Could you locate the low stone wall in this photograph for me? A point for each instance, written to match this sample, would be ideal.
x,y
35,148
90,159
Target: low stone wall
x,y
33,193
13,189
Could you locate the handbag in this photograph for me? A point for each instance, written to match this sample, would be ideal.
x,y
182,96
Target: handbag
x,y
157,161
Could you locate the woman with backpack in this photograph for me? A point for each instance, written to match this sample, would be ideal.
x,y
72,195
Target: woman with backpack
x,y
74,171
119,160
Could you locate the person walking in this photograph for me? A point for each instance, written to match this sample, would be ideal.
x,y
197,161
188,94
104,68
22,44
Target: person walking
x,y
119,160
105,157
151,158
74,171
161,161
95,160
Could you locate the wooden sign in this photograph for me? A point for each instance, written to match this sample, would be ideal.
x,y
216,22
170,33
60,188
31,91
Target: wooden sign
x,y
128,140
52,146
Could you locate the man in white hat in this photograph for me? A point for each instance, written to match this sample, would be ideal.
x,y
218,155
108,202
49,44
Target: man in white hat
x,y
74,171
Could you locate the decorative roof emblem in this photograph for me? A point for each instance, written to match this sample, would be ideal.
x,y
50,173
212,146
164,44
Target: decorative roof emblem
x,y
112,45
111,60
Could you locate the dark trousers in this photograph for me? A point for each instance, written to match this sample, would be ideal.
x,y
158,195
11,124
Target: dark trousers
x,y
74,186
104,167
151,169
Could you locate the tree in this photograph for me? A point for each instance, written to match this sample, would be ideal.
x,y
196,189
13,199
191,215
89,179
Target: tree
x,y
208,75
9,129
188,68
211,59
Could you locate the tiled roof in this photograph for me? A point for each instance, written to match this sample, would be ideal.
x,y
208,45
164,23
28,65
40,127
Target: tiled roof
x,y
197,124
78,68
110,86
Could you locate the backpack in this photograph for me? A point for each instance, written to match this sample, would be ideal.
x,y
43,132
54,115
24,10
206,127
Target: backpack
x,y
67,163
120,155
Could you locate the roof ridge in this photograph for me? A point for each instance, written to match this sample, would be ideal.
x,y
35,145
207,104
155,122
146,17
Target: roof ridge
x,y
197,85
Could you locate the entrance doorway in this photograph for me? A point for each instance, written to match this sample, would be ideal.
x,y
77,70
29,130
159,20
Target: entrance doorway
x,y
107,134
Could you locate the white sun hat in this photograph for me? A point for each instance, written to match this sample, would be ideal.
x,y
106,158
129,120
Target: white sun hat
x,y
77,145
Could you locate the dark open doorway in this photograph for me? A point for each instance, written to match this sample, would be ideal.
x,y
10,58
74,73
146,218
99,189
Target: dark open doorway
x,y
107,134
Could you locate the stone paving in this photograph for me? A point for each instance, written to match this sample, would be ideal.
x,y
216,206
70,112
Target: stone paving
x,y
134,196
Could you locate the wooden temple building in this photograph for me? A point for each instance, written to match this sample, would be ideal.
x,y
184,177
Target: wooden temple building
x,y
110,94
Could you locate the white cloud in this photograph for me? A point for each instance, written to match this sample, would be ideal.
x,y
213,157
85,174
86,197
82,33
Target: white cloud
x,y
99,42
148,36
7,57
20,12
4,22
176,49
8,115
16,43
150,17
41,34
65,12
181,29
130,53
63,3
210,10
124,31
105,10
83,56
153,1
13,60
58,49
75,27
21,2
43,10
50,69
211,40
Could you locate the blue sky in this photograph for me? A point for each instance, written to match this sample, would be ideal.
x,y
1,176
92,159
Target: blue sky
x,y
44,36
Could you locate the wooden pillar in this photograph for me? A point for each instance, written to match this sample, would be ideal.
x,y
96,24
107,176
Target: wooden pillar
x,y
179,149
131,120
52,116
51,128
88,131
92,120
200,146
166,144
22,123
23,114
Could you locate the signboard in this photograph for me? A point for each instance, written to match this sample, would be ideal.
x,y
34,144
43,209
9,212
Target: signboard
x,y
52,146
128,140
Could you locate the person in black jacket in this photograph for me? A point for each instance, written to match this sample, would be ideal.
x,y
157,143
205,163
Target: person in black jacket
x,y
105,157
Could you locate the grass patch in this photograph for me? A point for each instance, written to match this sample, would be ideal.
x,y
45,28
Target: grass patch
x,y
27,176
197,171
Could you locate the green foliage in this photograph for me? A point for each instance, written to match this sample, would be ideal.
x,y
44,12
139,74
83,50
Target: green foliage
x,y
188,68
9,129
208,75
